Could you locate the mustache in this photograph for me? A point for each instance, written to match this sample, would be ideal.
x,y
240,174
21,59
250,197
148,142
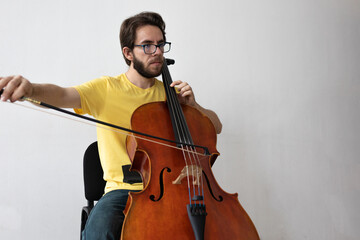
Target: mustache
x,y
160,60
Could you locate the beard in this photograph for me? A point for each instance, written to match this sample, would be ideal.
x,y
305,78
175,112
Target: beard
x,y
140,68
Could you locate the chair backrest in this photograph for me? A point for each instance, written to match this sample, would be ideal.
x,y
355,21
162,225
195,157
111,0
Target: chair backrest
x,y
94,183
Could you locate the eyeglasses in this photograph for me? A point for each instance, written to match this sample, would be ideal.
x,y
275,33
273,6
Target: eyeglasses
x,y
151,48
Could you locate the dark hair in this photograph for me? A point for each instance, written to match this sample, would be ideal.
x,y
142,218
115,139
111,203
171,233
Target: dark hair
x,y
130,25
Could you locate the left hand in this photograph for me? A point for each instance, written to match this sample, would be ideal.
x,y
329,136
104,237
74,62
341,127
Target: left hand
x,y
185,93
186,96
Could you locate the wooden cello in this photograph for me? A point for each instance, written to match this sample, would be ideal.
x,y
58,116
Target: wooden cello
x,y
181,198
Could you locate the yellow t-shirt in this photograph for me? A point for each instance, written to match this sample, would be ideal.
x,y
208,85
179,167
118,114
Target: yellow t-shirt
x,y
113,100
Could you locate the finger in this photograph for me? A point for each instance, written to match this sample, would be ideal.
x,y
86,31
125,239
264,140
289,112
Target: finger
x,y
17,94
177,82
13,82
183,89
186,93
6,92
22,89
4,81
182,86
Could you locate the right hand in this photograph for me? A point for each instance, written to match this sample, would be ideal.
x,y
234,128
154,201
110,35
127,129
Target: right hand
x,y
16,87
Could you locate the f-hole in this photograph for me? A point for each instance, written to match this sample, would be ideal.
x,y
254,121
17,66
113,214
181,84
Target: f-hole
x,y
161,183
220,198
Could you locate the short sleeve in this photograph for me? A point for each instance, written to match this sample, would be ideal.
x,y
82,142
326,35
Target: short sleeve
x,y
92,95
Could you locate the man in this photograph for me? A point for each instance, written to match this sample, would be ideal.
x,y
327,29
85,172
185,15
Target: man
x,y
113,99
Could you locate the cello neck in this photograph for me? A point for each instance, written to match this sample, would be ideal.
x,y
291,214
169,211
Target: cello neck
x,y
180,127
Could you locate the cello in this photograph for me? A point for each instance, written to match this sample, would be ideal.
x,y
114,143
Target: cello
x,y
170,207
181,198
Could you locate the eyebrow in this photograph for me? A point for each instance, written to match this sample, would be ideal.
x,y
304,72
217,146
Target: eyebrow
x,y
151,42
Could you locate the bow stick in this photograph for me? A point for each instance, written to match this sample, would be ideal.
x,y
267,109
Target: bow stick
x,y
206,151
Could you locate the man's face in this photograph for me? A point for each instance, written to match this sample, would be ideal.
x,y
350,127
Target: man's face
x,y
148,65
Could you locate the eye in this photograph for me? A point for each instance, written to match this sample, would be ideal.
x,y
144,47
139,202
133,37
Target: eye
x,y
147,46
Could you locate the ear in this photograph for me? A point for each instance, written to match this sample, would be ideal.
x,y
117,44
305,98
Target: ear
x,y
128,53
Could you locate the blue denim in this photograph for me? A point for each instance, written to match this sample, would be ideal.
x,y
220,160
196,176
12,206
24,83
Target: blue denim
x,y
106,218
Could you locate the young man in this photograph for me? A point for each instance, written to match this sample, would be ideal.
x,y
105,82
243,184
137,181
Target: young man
x,y
114,99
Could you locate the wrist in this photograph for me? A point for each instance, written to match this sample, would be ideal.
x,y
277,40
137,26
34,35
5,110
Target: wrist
x,y
34,90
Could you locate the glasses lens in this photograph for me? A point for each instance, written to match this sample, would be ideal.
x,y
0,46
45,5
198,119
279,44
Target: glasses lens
x,y
166,47
149,48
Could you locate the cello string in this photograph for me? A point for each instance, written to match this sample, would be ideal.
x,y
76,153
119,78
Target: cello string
x,y
174,106
172,100
185,137
200,176
194,167
195,162
100,126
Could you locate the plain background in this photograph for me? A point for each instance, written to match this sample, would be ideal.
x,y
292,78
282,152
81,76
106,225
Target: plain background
x,y
283,75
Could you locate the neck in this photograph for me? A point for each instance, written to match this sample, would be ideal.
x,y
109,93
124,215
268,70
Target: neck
x,y
138,80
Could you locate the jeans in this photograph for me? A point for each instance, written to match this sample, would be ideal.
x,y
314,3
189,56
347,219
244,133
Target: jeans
x,y
106,218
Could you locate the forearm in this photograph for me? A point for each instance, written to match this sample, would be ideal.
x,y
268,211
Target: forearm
x,y
56,95
16,87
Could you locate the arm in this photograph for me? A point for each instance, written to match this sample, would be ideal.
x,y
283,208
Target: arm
x,y
186,96
213,117
17,87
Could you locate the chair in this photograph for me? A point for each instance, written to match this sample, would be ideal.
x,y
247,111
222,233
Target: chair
x,y
94,183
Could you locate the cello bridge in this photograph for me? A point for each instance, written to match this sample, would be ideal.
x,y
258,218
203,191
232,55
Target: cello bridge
x,y
190,170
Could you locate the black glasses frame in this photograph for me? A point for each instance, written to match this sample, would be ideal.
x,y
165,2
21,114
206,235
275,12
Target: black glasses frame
x,y
146,47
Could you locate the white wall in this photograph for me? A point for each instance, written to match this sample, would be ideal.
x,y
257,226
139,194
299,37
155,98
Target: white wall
x,y
283,75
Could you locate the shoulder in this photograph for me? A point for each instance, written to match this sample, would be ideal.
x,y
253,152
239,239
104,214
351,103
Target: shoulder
x,y
158,83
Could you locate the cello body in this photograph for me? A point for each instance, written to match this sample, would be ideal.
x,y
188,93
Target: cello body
x,y
159,211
